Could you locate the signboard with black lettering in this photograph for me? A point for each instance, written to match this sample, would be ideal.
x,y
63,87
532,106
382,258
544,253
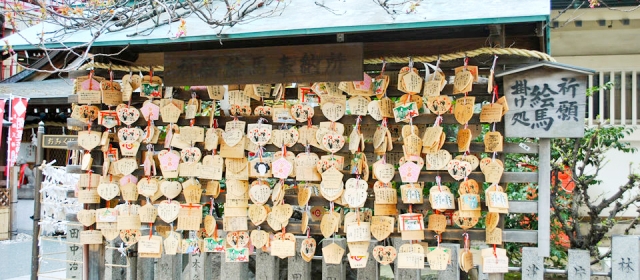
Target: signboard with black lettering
x,y
545,101
307,63
51,141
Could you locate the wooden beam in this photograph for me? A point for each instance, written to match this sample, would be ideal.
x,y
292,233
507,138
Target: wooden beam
x,y
440,46
509,235
544,197
497,35
326,62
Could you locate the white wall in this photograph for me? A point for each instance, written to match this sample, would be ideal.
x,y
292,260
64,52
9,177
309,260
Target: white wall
x,y
615,173
610,47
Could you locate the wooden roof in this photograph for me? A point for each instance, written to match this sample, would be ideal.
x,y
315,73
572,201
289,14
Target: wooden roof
x,y
54,91
549,65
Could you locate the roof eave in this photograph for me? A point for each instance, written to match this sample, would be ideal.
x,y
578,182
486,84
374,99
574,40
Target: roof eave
x,y
298,32
549,65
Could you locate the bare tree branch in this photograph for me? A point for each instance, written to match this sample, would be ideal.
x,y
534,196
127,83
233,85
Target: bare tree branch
x,y
99,18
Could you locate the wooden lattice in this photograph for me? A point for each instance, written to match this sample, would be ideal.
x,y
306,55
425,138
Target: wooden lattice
x,y
5,197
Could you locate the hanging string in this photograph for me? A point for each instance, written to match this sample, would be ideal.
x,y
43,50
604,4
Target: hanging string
x,y
437,66
410,64
465,235
493,66
90,173
438,120
91,79
211,208
150,230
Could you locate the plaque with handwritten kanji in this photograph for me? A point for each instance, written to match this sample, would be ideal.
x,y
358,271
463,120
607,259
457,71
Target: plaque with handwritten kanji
x,y
545,102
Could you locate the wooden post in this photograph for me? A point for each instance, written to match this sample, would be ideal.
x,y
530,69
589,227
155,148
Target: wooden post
x,y
132,270
12,185
267,266
334,271
579,265
532,264
35,254
544,197
96,262
372,271
298,269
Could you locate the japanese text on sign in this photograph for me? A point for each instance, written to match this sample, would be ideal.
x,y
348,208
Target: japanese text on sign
x,y
57,141
265,65
545,103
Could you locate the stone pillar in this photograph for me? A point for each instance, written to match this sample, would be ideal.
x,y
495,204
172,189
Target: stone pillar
x,y
298,268
212,264
532,264
334,271
146,268
372,271
476,273
579,265
196,266
74,251
403,274
234,270
267,266
169,267
625,257
453,269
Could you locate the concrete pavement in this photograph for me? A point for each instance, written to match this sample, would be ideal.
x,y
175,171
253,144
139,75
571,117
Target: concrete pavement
x,y
15,255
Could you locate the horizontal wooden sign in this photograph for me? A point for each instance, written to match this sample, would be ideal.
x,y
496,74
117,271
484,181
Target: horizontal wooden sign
x,y
307,63
50,141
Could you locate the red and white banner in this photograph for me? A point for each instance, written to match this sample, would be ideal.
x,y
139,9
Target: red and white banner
x,y
18,114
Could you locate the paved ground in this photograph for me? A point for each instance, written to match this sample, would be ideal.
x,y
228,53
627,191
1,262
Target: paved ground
x,y
15,258
46,276
24,211
15,255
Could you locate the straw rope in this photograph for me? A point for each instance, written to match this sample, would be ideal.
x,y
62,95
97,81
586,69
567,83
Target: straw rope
x,y
463,54
100,65
391,59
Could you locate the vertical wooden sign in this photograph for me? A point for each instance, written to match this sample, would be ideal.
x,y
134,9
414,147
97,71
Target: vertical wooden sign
x,y
547,101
